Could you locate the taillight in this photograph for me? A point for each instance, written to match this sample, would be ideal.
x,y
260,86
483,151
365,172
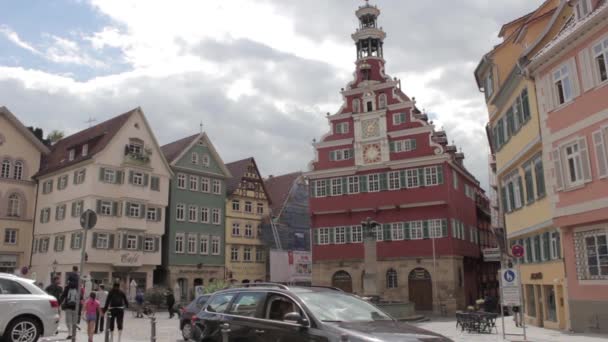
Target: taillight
x,y
194,319
54,303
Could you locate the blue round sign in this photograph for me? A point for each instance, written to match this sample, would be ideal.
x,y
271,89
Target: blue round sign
x,y
509,276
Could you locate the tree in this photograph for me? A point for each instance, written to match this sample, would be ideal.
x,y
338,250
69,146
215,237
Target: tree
x,y
55,136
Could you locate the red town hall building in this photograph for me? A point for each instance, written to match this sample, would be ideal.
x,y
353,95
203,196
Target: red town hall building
x,y
383,159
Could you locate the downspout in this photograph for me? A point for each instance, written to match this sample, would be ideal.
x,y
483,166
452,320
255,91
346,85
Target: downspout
x,y
34,223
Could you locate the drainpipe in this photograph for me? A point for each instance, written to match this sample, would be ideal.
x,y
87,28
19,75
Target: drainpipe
x,y
34,222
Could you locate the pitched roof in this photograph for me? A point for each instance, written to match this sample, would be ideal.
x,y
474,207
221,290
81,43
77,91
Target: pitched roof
x,y
97,138
20,127
279,188
174,149
237,170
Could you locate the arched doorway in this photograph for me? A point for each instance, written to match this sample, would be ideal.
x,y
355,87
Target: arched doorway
x,y
342,280
421,289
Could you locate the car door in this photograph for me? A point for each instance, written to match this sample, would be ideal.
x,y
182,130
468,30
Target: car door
x,y
243,318
14,299
276,329
212,316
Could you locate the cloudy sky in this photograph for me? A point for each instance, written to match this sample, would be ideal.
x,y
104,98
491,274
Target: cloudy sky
x,y
259,74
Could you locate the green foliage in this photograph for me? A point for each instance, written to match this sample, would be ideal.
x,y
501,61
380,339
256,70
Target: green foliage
x,y
155,296
215,286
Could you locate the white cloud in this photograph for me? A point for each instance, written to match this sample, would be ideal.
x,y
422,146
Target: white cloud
x,y
67,51
14,37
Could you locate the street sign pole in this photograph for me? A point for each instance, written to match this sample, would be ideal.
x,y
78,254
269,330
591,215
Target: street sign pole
x,y
88,220
522,311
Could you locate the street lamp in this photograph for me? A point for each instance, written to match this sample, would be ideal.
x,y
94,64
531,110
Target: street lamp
x,y
55,263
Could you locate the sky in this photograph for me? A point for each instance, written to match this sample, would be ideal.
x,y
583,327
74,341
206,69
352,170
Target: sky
x,y
260,75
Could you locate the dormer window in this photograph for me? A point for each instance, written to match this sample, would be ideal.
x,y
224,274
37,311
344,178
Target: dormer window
x,y
194,158
85,150
489,85
205,160
382,101
582,9
71,154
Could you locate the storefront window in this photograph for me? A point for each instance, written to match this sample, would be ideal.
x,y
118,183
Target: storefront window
x,y
551,308
530,301
8,263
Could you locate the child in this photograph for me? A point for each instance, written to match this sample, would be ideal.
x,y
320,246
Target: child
x,y
91,310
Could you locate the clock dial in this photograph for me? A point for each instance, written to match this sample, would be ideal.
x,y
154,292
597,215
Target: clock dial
x,y
371,153
370,128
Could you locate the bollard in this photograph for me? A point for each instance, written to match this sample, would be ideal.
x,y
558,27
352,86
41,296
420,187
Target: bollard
x,y
153,329
107,332
225,330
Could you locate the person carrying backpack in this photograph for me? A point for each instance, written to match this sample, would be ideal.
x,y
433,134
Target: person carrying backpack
x,y
117,303
69,304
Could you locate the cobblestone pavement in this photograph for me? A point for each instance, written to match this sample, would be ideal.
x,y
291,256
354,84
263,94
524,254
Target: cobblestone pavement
x,y
138,330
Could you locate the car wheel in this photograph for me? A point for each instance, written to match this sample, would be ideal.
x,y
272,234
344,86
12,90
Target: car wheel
x,y
22,330
187,331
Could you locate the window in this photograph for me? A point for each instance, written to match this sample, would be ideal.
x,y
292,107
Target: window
x,y
320,188
191,244
394,182
77,208
102,241
205,184
10,236
180,212
397,231
356,233
151,214
234,254
247,254
248,231
562,84
138,178
340,235
398,118
85,150
205,215
356,106
206,160
149,244
219,303
18,170
181,181
76,241
45,215
6,169
512,192
582,8
59,243
435,228
403,145
71,154
370,106
47,187
342,128
215,216
259,254
192,213
131,241
455,180
109,176
62,182
489,85
528,179
135,146
555,246
134,210
412,178
323,236
391,279
215,245
416,230
373,183
336,186
379,232
596,247
217,187
106,208
353,184
248,207
469,191
194,158
79,176
204,244
236,229
260,208
44,245
540,176
600,55
14,205
60,213
193,183
573,164
236,205
179,243
382,101
432,175
338,155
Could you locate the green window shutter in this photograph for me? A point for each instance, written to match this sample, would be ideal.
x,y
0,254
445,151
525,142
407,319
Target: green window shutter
x,y
313,189
159,214
546,242
75,176
155,183
386,229
402,179
156,244
127,208
114,208
142,211
425,229
72,240
383,182
331,236
421,177
57,212
146,179
392,146
521,191
98,207
510,122
363,183
101,172
55,240
540,178
120,177
140,243
124,241
440,174
413,144
559,245
348,238
315,240
406,231
503,199
344,185
130,177
94,241
111,241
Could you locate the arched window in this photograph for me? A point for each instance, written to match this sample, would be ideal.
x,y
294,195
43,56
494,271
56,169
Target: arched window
x,y
18,170
14,205
356,106
382,101
391,279
6,169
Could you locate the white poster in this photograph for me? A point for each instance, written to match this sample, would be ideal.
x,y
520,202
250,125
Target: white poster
x,y
510,285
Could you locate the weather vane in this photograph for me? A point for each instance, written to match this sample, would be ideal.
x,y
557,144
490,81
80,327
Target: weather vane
x,y
90,120
201,126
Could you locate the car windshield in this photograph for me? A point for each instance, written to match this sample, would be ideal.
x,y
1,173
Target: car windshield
x,y
340,307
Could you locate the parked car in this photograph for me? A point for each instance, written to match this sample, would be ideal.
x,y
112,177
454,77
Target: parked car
x,y
28,313
186,314
274,312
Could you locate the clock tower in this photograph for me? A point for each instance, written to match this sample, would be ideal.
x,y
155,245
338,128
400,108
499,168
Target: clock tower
x,y
383,161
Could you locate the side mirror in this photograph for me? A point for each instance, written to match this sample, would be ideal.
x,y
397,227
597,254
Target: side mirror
x,y
295,318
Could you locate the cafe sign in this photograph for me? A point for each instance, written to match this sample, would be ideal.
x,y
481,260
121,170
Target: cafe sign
x,y
129,259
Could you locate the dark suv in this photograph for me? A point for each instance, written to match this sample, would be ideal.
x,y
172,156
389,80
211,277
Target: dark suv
x,y
274,312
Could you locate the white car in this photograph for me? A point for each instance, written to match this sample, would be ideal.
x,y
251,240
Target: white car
x,y
27,312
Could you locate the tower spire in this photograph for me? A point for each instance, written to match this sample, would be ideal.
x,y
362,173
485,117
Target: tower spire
x,y
369,38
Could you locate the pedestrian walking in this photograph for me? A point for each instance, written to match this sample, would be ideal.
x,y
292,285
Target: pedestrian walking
x,y
170,302
69,304
102,295
91,311
54,289
117,303
516,316
139,299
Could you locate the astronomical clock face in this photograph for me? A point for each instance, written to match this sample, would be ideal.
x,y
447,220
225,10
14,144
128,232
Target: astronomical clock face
x,y
371,128
371,153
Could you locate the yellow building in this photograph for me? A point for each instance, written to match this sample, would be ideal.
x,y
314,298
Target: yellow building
x,y
20,153
514,134
247,204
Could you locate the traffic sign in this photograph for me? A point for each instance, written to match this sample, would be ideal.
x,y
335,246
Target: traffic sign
x,y
517,251
510,285
88,219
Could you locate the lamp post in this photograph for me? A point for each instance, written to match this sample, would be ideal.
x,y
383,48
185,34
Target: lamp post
x,y
55,263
